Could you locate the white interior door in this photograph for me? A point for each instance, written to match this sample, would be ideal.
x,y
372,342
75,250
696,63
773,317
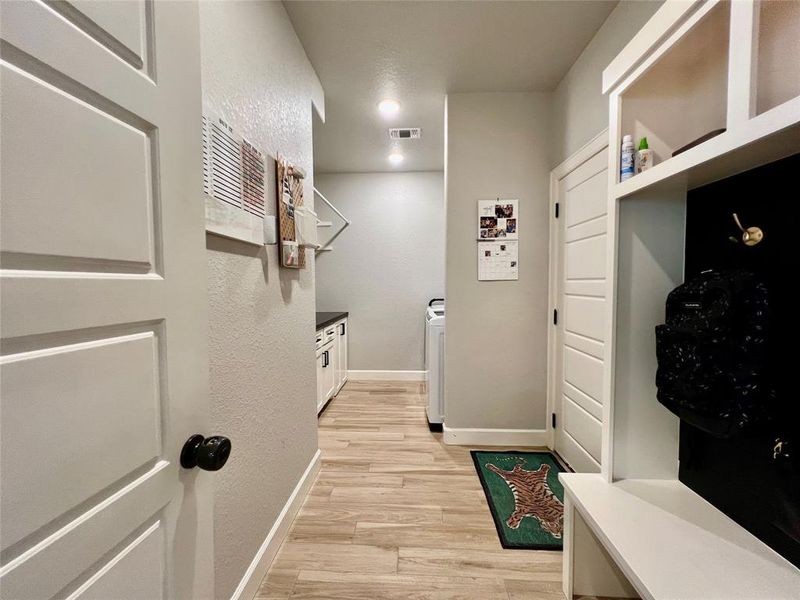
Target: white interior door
x,y
103,365
580,300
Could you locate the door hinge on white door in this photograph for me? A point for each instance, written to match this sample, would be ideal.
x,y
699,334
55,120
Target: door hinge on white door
x,y
553,418
555,316
556,210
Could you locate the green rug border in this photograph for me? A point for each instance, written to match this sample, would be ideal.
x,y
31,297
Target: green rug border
x,y
498,522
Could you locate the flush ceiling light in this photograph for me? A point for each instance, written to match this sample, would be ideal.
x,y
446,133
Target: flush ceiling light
x,y
389,108
395,158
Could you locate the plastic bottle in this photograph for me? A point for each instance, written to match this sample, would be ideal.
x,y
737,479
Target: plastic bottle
x,y
626,166
644,157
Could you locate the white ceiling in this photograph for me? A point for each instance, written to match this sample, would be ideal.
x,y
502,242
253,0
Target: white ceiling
x,y
416,52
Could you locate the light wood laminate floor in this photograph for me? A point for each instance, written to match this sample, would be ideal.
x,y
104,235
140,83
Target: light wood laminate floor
x,y
395,513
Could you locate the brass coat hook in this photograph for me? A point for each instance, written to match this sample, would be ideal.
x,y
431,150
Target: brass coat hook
x,y
750,236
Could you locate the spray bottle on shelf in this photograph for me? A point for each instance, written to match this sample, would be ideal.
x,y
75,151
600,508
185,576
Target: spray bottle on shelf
x,y
626,163
644,157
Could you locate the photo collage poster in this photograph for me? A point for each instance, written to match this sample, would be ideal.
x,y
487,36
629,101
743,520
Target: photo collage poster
x,y
497,219
498,240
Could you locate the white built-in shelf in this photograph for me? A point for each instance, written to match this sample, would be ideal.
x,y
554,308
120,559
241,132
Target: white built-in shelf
x,y
763,139
682,95
698,67
777,65
695,67
673,545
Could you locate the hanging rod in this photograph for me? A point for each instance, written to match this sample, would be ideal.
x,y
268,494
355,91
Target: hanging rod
x,y
327,247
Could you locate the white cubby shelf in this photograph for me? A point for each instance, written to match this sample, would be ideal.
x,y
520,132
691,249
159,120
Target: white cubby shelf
x,y
635,530
688,81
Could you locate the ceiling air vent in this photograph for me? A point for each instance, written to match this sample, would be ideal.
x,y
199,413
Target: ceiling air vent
x,y
405,133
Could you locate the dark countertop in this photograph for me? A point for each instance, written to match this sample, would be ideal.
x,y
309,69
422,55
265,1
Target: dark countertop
x,y
326,318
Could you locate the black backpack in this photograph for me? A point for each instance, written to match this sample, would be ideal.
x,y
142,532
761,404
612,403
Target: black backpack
x,y
712,353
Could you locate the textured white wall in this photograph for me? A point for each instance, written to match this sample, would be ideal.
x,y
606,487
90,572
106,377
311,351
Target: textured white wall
x,y
496,344
580,110
262,370
386,266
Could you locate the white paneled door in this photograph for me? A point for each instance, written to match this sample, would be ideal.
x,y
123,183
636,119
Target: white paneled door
x,y
104,324
580,273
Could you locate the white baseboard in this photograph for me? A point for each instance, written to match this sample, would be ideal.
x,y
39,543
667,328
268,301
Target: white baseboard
x,y
248,586
494,437
387,375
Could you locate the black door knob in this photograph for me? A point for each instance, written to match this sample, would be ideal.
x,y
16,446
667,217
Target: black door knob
x,y
210,454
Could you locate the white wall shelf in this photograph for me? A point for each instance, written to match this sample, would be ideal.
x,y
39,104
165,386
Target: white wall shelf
x,y
694,82
760,140
680,93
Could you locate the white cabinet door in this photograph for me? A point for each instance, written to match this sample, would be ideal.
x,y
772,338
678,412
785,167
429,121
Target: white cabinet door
x,y
328,374
104,366
341,362
322,358
333,357
334,361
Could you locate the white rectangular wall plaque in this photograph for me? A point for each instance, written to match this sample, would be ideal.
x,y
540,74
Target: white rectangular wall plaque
x,y
234,183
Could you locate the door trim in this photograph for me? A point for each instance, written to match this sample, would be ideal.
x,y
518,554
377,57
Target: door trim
x,y
593,147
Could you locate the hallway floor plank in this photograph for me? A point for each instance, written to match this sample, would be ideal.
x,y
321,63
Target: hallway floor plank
x,y
397,514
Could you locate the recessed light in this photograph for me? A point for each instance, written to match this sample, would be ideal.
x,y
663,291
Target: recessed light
x,y
395,158
389,108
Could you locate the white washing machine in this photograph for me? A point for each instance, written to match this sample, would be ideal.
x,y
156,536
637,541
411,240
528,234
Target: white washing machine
x,y
434,362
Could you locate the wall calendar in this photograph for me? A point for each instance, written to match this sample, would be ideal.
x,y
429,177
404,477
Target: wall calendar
x,y
498,240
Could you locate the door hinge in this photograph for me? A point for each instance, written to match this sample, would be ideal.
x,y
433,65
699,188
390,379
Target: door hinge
x,y
555,316
553,418
556,210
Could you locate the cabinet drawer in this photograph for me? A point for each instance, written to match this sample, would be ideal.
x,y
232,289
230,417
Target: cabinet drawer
x,y
320,339
329,333
340,328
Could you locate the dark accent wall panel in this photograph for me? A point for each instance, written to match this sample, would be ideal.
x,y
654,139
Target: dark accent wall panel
x,y
739,476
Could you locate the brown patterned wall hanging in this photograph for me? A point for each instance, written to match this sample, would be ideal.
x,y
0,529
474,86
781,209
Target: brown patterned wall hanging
x,y
290,198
